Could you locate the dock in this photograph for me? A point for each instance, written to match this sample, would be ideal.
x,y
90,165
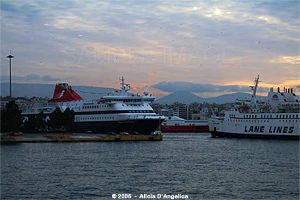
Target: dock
x,y
75,137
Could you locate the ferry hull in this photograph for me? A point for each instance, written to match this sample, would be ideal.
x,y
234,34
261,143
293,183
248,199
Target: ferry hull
x,y
254,136
185,128
143,127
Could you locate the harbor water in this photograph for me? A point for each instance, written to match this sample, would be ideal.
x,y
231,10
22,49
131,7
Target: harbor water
x,y
182,166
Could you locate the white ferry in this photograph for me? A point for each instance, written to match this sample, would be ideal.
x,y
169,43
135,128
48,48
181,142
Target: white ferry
x,y
276,118
118,111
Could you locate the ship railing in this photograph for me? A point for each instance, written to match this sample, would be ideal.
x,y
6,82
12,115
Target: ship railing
x,y
146,117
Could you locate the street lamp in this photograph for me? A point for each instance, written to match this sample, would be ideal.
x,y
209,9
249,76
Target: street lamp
x,y
10,57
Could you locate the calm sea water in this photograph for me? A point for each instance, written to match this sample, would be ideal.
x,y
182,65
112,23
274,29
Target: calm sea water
x,y
190,164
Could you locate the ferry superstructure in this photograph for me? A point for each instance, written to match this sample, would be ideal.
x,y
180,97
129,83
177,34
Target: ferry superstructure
x,y
118,111
276,118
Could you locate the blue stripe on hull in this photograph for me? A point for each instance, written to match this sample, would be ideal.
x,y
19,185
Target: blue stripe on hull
x,y
254,136
143,127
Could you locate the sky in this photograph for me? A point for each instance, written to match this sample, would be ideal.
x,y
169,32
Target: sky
x,y
205,47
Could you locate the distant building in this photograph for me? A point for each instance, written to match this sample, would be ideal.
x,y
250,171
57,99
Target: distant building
x,y
205,109
3,104
22,104
182,111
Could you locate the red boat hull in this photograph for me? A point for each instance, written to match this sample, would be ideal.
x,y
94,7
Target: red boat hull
x,y
185,128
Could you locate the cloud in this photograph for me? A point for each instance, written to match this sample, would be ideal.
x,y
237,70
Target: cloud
x,y
200,88
30,78
215,42
294,60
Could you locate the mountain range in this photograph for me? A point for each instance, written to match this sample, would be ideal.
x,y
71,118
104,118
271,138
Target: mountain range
x,y
188,98
46,90
89,92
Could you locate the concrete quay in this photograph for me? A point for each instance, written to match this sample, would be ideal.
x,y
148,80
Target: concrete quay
x,y
75,137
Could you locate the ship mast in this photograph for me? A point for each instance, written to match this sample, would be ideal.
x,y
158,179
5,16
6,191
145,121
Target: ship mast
x,y
254,88
124,87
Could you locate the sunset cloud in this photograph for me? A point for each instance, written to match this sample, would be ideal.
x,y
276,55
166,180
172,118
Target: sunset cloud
x,y
294,60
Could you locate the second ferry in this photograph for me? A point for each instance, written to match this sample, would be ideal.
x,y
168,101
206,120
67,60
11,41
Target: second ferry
x,y
276,118
118,111
177,124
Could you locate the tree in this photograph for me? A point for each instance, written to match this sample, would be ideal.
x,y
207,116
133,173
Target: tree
x,y
40,121
68,119
4,121
11,117
56,119
30,124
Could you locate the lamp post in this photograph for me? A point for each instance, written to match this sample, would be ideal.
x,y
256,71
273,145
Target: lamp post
x,y
10,57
